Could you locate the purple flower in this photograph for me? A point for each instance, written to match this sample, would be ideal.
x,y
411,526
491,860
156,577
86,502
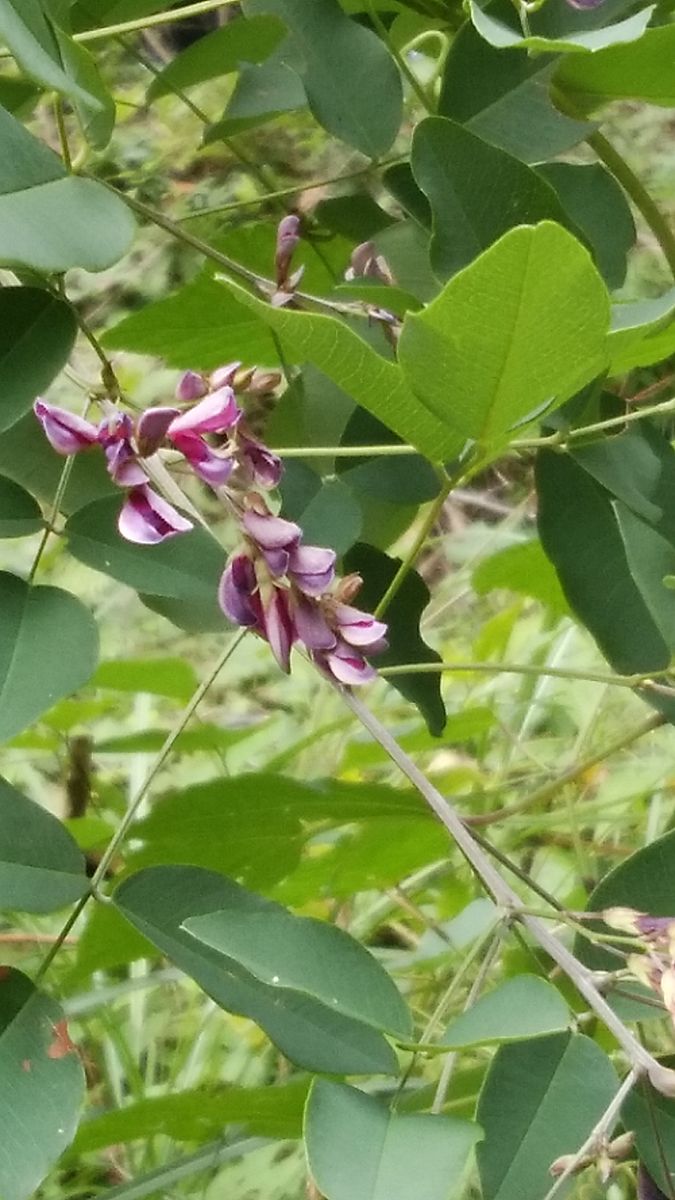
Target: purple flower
x,y
215,469
238,593
312,568
359,628
279,628
216,413
311,625
270,532
151,429
263,467
191,386
66,432
288,236
224,376
345,664
147,519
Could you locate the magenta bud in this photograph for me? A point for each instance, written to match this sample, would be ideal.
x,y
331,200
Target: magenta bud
x,y
151,429
66,432
216,413
223,376
288,236
214,468
191,386
237,593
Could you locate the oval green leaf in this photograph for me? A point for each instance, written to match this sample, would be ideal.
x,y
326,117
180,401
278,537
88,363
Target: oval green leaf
x,y
48,649
41,868
19,513
523,1007
358,1149
37,334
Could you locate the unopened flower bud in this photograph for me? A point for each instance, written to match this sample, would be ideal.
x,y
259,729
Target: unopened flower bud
x,y
288,236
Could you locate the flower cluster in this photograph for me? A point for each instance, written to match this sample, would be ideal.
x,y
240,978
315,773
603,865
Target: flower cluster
x,y
656,966
275,585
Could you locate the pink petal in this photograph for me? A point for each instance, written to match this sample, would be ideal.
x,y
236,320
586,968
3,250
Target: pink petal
x,y
191,386
216,413
347,666
65,431
312,568
237,592
147,519
311,625
215,469
223,376
151,429
270,532
279,628
122,464
359,628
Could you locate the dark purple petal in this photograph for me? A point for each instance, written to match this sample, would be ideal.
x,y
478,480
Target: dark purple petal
x,y
237,592
122,464
116,426
151,429
216,413
346,665
224,376
146,518
312,568
215,469
279,629
191,386
311,625
647,1189
270,532
359,628
65,431
262,465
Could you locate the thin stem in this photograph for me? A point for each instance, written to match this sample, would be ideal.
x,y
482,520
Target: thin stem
x,y
390,449
662,1078
629,181
63,136
137,800
399,58
628,681
152,22
600,1131
410,559
560,440
576,771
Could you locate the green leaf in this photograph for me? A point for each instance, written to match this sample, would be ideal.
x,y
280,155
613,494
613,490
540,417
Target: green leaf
x,y
206,738
638,467
331,516
185,567
41,868
199,327
19,513
580,533
218,54
358,1149
48,649
651,1117
37,334
340,59
467,181
97,113
598,207
197,1115
403,616
17,95
504,32
547,312
377,384
36,46
541,1098
650,559
262,93
49,220
90,14
409,479
642,333
503,97
157,901
640,71
523,1007
43,1086
305,956
155,676
525,569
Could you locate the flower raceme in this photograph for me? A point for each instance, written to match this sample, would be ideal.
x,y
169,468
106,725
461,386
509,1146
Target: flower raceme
x,y
281,589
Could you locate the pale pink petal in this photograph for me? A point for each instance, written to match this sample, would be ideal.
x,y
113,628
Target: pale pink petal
x,y
216,413
359,628
151,429
191,386
270,532
224,376
312,568
214,468
65,431
347,665
146,518
122,464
